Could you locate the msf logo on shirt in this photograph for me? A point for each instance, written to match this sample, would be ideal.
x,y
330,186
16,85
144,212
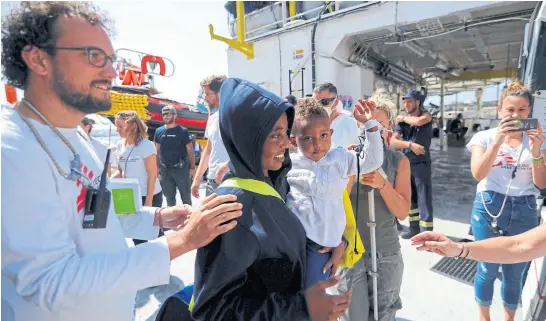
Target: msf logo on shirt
x,y
80,200
503,159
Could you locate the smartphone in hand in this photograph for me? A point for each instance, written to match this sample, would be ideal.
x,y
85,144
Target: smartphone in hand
x,y
525,124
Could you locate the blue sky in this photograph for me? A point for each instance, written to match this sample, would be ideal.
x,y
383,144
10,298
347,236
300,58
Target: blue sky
x,y
178,30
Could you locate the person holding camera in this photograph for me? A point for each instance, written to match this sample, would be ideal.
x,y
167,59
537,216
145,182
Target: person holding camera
x,y
509,164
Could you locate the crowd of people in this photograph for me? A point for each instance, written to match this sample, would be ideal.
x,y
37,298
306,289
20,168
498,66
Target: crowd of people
x,y
271,231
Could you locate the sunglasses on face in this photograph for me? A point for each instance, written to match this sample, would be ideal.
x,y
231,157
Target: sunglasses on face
x,y
326,101
167,114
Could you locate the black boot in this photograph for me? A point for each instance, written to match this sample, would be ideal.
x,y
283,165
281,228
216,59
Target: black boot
x,y
399,226
410,233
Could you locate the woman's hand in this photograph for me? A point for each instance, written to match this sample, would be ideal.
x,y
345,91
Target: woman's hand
x,y
536,140
335,259
437,243
195,187
365,110
506,126
148,201
323,306
373,179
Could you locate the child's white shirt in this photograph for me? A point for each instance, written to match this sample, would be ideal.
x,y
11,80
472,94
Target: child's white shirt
x,y
316,187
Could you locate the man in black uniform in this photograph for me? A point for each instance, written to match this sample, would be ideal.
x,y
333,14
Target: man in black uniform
x,y
176,158
413,135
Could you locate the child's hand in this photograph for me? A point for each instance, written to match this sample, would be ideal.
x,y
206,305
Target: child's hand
x,y
352,147
335,259
365,110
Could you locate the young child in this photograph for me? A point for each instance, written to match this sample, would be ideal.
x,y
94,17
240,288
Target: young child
x,y
319,176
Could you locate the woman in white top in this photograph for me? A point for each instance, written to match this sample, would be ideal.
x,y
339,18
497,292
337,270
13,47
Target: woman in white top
x,y
137,157
509,165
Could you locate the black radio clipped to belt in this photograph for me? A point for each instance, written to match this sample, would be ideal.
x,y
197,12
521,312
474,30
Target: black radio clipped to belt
x,y
97,202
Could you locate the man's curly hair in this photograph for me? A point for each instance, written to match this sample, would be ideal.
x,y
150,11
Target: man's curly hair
x,y
33,24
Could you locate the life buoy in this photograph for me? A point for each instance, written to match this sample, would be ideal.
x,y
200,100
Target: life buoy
x,y
149,58
132,78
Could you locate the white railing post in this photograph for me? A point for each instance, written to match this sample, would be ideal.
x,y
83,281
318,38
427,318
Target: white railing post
x,y
284,13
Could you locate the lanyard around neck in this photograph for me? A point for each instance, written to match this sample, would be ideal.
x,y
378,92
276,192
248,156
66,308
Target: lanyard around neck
x,y
75,165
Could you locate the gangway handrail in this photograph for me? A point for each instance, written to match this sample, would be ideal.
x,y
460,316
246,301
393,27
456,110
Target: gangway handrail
x,y
276,22
294,18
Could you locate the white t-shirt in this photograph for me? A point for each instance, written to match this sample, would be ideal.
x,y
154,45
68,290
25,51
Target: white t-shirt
x,y
498,178
345,131
101,149
52,268
135,167
218,153
316,187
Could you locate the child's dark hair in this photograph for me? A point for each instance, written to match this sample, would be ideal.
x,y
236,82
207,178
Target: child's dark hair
x,y
307,109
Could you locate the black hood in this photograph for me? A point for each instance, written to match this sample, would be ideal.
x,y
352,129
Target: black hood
x,y
247,115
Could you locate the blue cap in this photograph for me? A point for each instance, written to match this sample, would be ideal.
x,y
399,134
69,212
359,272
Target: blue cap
x,y
413,94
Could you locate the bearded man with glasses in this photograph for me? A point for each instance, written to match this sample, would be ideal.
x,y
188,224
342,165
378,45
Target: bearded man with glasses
x,y
344,126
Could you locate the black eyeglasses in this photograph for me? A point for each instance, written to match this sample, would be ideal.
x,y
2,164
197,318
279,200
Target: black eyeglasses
x,y
326,101
96,56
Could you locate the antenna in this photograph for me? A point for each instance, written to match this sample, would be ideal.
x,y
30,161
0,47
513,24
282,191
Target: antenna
x,y
104,175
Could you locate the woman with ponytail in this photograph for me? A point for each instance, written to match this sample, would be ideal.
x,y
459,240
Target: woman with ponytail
x,y
392,201
138,157
509,165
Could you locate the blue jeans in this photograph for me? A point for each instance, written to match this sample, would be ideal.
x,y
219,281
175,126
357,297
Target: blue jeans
x,y
315,262
518,216
210,187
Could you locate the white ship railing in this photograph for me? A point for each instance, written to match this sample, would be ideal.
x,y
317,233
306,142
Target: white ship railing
x,y
274,18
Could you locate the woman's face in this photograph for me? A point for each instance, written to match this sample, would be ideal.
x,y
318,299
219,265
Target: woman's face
x,y
121,126
275,146
514,107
